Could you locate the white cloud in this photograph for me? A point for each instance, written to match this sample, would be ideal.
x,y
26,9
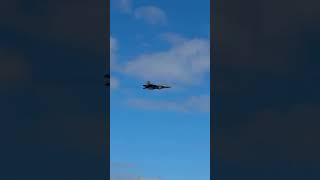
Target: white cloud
x,y
115,165
186,62
114,83
128,176
151,14
173,38
125,6
192,104
113,45
113,50
123,176
123,171
148,178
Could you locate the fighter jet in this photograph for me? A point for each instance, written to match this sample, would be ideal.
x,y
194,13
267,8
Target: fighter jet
x,y
151,86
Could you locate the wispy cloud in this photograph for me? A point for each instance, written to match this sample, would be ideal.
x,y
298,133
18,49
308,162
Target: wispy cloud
x,y
113,50
129,176
149,178
115,165
173,38
151,14
124,173
186,62
114,83
124,6
192,104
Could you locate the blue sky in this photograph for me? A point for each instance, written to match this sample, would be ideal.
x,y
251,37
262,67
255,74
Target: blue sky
x,y
160,134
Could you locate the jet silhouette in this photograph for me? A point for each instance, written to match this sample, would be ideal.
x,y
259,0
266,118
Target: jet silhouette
x,y
151,86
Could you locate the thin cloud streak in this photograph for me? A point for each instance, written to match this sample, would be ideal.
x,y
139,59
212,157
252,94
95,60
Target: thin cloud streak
x,y
185,63
114,83
151,14
113,50
129,176
192,104
124,6
124,173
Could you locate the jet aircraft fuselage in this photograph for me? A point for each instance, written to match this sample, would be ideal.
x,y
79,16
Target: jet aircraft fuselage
x,y
151,86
